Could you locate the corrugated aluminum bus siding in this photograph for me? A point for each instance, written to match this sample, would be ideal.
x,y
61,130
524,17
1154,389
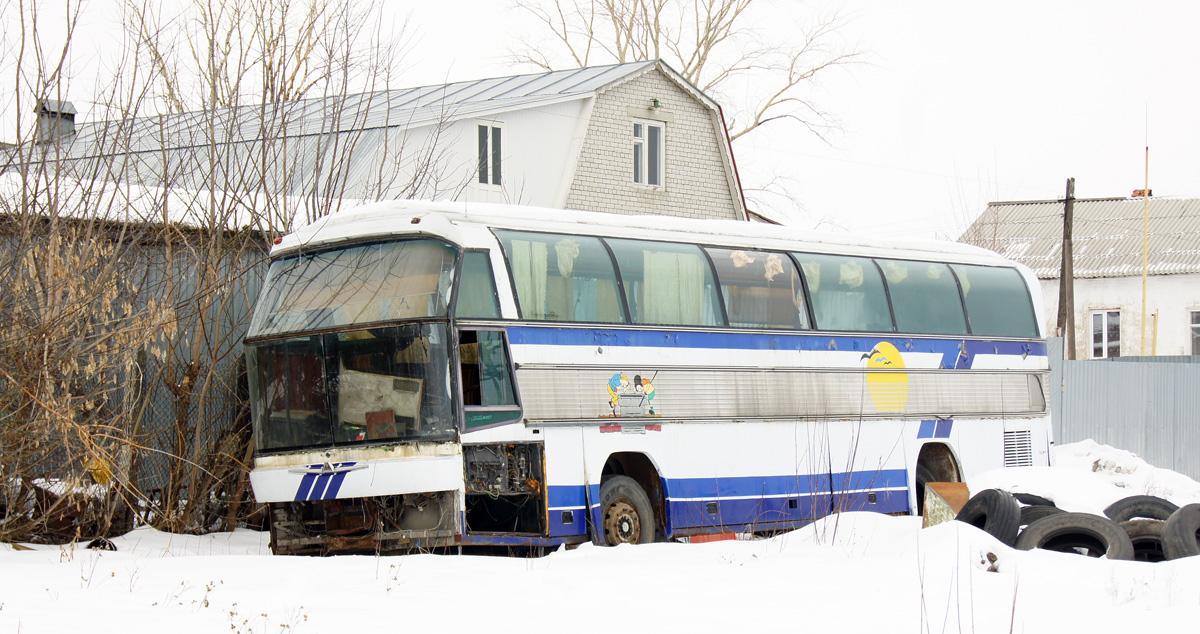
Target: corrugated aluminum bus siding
x,y
566,393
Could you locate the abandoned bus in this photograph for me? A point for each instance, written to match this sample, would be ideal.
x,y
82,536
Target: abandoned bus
x,y
426,375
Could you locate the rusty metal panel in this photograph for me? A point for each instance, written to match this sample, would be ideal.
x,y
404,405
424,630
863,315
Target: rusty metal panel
x,y
1149,408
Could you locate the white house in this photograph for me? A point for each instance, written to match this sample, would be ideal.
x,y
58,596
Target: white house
x,y
1107,241
632,138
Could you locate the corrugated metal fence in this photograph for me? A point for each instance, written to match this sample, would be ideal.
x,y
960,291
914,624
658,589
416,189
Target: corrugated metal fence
x,y
1147,405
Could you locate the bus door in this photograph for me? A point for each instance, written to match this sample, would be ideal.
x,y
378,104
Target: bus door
x,y
504,479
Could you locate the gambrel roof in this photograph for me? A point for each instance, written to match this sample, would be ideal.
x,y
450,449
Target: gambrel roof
x,y
1107,235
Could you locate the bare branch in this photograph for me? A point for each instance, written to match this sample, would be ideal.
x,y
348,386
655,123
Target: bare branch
x,y
712,43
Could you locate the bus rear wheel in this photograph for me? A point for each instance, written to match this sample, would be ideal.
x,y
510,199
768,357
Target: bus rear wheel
x,y
626,514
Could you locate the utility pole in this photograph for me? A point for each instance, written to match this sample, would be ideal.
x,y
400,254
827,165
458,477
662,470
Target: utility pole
x,y
1146,246
1066,277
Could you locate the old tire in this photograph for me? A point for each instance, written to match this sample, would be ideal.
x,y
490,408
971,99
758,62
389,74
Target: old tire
x,y
994,511
1078,533
1147,538
1140,506
1181,533
1031,514
923,476
626,516
1029,499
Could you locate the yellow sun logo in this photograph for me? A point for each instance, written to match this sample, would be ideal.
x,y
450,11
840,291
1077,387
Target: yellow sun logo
x,y
888,389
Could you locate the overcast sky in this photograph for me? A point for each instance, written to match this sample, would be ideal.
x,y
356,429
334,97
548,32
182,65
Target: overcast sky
x,y
962,103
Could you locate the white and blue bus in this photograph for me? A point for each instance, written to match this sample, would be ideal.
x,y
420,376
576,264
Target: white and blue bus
x,y
428,375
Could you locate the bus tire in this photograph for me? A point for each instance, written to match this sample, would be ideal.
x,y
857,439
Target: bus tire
x,y
1079,533
995,512
1029,499
1140,506
626,516
1181,533
1147,538
1031,514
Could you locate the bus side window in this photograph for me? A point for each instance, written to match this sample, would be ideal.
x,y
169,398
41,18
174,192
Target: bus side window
x,y
998,302
761,290
667,283
847,293
476,289
562,278
925,297
489,397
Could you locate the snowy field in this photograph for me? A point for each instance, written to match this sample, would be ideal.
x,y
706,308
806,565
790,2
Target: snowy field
x,y
856,572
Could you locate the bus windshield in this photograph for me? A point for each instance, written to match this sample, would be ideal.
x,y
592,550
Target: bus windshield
x,y
372,385
361,284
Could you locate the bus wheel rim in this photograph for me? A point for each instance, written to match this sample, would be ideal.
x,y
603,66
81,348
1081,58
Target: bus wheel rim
x,y
622,525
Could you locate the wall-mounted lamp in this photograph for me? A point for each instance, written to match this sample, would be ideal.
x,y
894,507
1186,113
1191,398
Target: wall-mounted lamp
x,y
654,105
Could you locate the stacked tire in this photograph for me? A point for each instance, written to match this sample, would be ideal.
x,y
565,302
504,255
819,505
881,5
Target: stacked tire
x,y
1140,527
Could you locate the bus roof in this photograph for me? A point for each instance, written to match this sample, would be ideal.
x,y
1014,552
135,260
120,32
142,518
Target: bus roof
x,y
464,223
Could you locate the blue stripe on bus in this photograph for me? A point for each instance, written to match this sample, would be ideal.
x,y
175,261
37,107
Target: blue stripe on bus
x,y
335,483
758,486
566,497
321,486
943,429
306,485
935,429
926,429
951,349
746,501
749,513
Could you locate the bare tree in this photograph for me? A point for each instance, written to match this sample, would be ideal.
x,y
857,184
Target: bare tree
x,y
242,122
133,248
74,323
715,44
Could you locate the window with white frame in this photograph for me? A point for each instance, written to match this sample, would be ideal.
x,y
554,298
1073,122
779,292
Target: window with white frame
x,y
1106,334
1196,332
489,153
648,152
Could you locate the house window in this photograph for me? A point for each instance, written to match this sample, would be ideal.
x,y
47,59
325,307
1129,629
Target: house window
x,y
1196,332
1106,334
648,153
489,154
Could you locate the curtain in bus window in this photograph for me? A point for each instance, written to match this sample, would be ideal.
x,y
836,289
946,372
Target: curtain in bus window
x,y
529,274
586,293
562,278
674,289
667,283
924,297
847,293
761,289
998,302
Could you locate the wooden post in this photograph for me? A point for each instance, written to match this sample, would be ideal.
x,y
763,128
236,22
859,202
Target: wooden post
x,y
1066,277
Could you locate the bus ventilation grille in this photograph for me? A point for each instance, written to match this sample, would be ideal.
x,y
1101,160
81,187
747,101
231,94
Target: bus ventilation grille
x,y
1018,449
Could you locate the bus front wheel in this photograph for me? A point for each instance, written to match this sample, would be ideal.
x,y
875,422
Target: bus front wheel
x,y
626,514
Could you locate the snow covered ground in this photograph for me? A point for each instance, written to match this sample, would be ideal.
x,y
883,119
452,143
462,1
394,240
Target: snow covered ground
x,y
856,572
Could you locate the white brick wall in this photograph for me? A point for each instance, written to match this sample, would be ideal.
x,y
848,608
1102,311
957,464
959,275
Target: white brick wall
x,y
695,181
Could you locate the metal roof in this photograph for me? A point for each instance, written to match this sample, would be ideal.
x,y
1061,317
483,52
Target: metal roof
x,y
405,107
1107,235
